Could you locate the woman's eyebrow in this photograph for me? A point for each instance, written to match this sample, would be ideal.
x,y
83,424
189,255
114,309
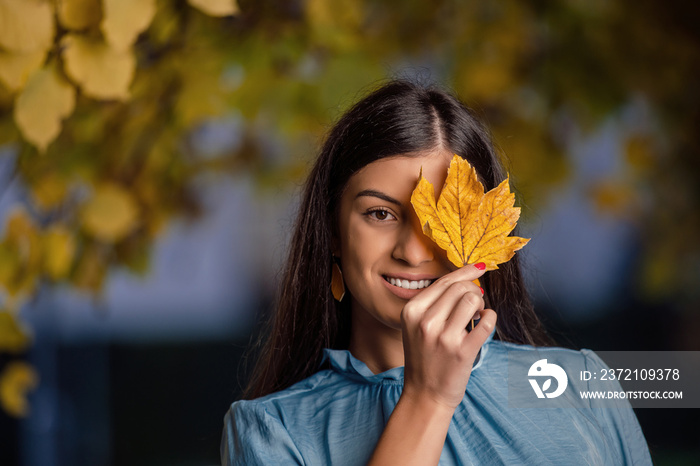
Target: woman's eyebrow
x,y
380,195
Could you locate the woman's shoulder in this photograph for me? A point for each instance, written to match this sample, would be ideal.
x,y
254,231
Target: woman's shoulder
x,y
318,389
307,423
572,360
582,355
313,385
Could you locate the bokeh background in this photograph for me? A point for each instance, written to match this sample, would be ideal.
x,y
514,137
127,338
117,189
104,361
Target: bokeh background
x,y
152,151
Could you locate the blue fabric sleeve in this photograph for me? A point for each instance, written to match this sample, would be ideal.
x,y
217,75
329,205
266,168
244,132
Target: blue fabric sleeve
x,y
622,424
253,436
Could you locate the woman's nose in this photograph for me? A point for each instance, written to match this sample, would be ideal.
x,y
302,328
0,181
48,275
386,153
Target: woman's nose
x,y
413,246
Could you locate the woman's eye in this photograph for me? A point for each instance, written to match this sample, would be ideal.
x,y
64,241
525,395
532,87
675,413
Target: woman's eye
x,y
380,214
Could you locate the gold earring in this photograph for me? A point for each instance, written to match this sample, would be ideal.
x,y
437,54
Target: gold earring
x,y
337,284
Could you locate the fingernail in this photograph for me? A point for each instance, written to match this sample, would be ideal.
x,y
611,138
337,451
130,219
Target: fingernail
x,y
480,265
476,316
482,290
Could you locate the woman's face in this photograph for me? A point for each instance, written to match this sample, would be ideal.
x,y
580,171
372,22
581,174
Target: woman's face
x,y
381,239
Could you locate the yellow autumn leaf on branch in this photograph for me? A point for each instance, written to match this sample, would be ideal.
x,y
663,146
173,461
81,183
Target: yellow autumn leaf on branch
x,y
472,226
111,214
216,7
16,380
15,68
101,71
59,250
20,255
26,25
42,105
124,20
79,14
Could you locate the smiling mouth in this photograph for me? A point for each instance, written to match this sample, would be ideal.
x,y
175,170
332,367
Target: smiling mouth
x,y
408,284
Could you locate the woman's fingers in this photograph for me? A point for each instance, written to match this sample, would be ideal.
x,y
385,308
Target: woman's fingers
x,y
465,275
477,337
467,344
444,320
458,298
438,350
463,312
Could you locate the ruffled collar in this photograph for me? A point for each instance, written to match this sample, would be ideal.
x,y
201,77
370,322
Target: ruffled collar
x,y
343,362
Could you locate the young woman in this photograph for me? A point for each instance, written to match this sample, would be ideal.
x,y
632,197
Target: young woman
x,y
383,370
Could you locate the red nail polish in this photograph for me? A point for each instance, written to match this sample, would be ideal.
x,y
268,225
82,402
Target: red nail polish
x,y
482,290
480,265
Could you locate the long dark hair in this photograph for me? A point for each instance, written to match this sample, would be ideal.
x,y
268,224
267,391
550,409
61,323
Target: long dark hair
x,y
399,118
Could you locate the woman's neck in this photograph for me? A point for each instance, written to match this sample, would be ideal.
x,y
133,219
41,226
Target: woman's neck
x,y
379,346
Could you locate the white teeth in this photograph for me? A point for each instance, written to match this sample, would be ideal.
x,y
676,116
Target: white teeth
x,y
409,285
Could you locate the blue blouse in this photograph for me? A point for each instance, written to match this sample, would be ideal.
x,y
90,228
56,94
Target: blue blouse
x,y
336,416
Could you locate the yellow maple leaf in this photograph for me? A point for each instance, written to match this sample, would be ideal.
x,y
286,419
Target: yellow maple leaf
x,y
472,226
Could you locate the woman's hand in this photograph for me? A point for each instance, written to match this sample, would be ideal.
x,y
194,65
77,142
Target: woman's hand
x,y
438,350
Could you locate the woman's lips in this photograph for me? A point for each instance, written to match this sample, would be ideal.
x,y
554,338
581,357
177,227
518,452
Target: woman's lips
x,y
405,293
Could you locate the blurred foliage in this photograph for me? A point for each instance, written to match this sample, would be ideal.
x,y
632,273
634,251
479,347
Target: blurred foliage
x,y
102,103
16,379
